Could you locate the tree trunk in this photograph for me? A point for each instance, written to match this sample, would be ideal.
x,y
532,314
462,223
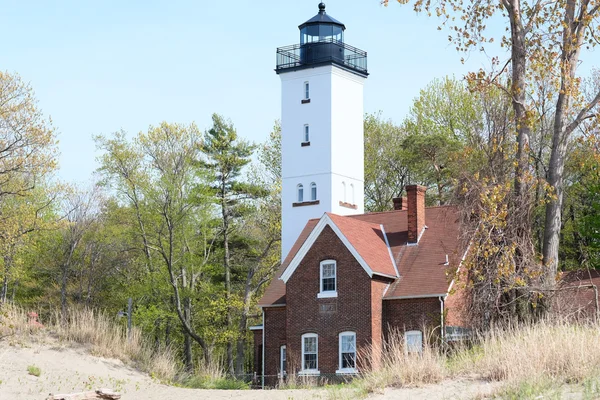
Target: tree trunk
x,y
14,291
241,356
63,292
227,267
571,45
187,340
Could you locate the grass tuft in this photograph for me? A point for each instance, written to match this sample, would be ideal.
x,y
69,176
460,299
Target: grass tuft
x,y
33,370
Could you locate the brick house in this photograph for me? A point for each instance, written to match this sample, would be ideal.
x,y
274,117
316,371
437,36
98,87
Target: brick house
x,y
348,281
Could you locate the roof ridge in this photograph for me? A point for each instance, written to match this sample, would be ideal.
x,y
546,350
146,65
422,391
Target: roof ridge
x,y
396,211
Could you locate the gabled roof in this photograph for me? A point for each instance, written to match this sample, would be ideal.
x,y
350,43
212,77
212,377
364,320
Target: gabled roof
x,y
364,240
421,268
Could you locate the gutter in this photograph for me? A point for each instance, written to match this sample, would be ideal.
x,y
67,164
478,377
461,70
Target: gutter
x,y
442,298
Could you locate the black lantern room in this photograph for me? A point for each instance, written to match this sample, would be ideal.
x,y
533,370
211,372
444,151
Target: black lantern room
x,y
321,43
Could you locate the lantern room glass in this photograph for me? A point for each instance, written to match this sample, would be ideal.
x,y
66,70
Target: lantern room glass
x,y
321,33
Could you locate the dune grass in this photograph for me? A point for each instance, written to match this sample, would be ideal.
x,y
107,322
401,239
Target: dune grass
x,y
104,337
528,360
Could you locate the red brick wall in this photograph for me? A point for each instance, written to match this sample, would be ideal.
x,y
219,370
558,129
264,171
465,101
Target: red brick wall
x,y
416,211
257,367
353,306
378,287
275,332
411,314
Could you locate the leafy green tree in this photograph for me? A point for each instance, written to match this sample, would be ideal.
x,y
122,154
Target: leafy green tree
x,y
386,171
156,176
226,155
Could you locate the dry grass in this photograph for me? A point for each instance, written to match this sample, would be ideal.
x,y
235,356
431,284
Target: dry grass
x,y
555,351
399,368
101,333
524,359
15,323
109,339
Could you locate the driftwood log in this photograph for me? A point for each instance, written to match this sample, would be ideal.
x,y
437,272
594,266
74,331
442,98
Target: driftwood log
x,y
104,394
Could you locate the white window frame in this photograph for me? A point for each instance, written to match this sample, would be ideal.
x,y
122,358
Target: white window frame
x,y
306,90
282,358
346,370
344,191
315,371
300,193
406,346
352,193
313,191
306,134
329,293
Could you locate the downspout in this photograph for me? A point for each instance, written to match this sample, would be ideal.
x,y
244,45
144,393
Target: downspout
x,y
441,317
262,376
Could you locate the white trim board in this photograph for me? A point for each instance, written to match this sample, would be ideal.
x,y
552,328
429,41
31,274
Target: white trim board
x,y
421,296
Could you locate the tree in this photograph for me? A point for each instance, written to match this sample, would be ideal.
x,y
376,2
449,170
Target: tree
x,y
545,42
27,157
444,119
157,176
386,171
226,156
27,139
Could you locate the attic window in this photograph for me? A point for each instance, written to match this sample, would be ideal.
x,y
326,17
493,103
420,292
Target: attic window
x,y
328,277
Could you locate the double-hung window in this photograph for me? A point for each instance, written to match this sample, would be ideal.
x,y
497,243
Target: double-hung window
x,y
283,361
347,353
328,279
300,189
310,353
413,341
306,91
306,134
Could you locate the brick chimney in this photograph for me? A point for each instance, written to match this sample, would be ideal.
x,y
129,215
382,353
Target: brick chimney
x,y
416,211
400,203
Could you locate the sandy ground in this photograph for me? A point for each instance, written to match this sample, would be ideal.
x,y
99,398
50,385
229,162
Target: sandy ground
x,y
68,370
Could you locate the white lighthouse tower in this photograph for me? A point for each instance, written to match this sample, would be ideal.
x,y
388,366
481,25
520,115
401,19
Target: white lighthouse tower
x,y
322,142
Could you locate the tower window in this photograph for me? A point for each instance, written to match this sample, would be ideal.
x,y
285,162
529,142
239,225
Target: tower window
x,y
344,191
306,136
352,193
300,193
313,191
306,91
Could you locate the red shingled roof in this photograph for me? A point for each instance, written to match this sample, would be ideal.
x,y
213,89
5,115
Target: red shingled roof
x,y
422,267
368,240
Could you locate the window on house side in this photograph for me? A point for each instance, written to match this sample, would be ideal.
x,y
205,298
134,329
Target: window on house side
x,y
306,134
310,348
344,191
313,191
413,341
306,91
352,193
328,279
283,360
300,193
347,352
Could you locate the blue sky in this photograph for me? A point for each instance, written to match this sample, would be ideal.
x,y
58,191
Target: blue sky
x,y
101,66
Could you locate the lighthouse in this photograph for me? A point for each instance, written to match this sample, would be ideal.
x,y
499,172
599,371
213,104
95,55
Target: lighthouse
x,y
322,138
